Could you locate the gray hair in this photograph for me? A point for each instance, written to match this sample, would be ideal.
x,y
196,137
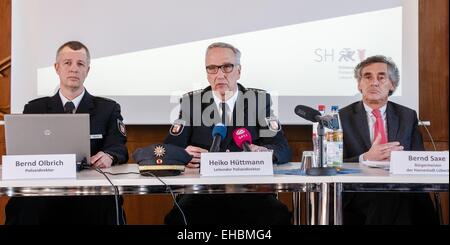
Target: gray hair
x,y
393,72
236,51
75,45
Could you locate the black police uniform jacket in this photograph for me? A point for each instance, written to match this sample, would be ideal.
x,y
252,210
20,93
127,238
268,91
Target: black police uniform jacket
x,y
234,208
105,119
197,133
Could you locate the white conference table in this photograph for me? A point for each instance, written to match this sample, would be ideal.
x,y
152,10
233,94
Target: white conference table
x,y
90,182
380,180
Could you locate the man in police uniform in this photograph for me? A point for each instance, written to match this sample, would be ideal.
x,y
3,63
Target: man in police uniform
x,y
108,140
227,102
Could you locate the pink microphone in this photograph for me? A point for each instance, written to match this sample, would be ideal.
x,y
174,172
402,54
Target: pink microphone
x,y
242,138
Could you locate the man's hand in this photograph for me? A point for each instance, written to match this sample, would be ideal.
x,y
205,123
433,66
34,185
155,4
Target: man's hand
x,y
101,160
257,148
195,152
381,152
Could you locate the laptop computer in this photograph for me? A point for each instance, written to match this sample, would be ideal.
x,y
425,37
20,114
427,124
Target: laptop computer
x,y
28,134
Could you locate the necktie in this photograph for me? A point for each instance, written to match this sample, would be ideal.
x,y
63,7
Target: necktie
x,y
223,106
69,107
226,114
379,127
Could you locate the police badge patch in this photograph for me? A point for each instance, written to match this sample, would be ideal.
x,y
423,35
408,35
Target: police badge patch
x,y
159,153
177,127
273,123
121,127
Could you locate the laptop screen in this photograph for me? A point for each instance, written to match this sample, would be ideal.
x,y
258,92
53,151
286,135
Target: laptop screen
x,y
28,134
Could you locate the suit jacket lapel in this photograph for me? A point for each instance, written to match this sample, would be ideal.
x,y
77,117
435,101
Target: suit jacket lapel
x,y
392,122
55,105
86,103
363,125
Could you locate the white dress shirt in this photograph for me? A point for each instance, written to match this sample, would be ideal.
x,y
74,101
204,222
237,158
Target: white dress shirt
x,y
229,105
76,101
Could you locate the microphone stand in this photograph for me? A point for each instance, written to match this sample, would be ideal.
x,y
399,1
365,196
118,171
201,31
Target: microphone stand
x,y
321,170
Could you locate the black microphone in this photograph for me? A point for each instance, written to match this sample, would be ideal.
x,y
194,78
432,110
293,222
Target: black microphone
x,y
219,132
307,113
313,115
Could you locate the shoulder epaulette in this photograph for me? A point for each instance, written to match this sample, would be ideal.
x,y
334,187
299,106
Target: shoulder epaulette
x,y
104,99
39,99
193,92
257,90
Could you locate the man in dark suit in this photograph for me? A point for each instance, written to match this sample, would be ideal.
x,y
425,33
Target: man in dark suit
x,y
108,147
227,102
373,128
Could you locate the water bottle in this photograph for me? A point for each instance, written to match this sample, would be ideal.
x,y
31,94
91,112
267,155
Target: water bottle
x,y
335,141
315,137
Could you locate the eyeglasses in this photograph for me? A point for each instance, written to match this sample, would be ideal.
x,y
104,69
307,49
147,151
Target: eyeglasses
x,y
213,69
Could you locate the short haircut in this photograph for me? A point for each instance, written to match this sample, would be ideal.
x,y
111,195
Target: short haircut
x,y
393,72
226,45
75,45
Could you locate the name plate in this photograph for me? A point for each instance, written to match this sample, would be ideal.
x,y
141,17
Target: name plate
x,y
54,166
419,162
236,163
